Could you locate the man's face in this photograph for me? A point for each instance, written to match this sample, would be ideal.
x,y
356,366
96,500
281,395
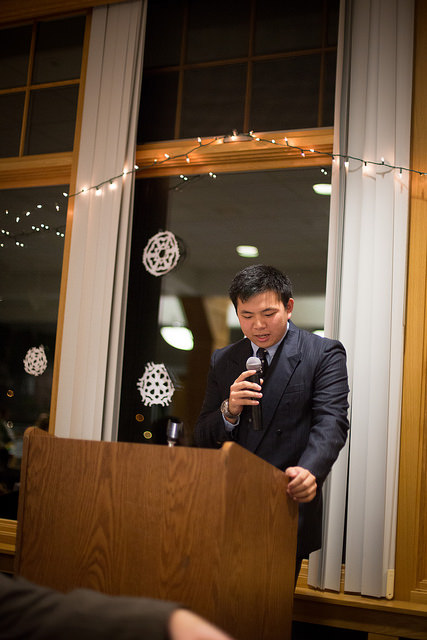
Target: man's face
x,y
263,318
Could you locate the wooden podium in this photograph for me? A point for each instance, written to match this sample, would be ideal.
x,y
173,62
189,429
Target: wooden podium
x,y
212,529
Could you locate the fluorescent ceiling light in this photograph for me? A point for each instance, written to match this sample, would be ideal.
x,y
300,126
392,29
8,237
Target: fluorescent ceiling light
x,y
322,189
178,337
247,251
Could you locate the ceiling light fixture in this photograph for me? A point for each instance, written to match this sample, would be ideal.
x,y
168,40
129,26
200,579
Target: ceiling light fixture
x,y
322,189
247,251
178,337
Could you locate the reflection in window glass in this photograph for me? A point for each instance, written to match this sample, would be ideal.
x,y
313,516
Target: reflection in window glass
x,y
31,246
276,211
51,120
14,54
58,52
11,110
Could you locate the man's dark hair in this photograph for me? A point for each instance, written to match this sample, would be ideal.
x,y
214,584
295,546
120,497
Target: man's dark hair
x,y
259,278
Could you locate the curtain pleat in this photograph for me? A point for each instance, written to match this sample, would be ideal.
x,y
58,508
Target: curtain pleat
x,y
91,354
371,292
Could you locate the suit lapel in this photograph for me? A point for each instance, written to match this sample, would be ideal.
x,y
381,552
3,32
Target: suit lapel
x,y
280,372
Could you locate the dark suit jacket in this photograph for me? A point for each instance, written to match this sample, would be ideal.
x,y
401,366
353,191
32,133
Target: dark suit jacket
x,y
31,612
304,411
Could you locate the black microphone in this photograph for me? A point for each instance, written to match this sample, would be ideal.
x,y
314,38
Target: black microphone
x,y
255,363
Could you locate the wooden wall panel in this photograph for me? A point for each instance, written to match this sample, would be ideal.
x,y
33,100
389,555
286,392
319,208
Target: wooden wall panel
x,y
411,557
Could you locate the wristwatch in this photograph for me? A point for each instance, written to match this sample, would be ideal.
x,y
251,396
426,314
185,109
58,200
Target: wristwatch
x,y
226,412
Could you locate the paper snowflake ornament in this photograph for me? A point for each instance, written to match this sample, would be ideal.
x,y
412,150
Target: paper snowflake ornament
x,y
161,253
35,361
155,386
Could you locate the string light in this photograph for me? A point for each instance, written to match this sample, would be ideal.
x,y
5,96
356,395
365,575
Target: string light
x,y
335,157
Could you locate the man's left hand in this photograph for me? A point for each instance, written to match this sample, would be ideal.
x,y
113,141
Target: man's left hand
x,y
302,484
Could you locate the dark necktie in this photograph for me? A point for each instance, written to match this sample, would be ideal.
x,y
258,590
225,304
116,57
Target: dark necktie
x,y
262,355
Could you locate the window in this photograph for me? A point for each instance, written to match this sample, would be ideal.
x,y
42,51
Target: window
x,y
278,212
210,68
39,85
39,90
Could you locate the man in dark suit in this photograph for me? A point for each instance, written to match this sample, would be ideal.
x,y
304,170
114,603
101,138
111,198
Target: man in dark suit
x,y
303,395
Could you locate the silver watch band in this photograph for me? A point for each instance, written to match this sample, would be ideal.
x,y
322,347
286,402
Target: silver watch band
x,y
226,412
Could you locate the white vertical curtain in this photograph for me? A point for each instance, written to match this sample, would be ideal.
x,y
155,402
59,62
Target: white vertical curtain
x,y
370,218
91,354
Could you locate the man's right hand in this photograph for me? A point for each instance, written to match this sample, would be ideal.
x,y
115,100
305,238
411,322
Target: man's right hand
x,y
244,392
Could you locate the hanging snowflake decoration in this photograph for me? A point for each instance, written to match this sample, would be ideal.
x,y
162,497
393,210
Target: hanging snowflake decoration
x,y
35,362
155,386
161,254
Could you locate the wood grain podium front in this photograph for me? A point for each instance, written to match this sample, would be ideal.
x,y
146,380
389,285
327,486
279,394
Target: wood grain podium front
x,y
212,529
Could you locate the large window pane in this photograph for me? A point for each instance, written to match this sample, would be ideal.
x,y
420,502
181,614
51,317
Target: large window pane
x,y
276,211
158,107
213,100
31,247
164,17
288,26
328,95
11,110
51,120
58,53
217,30
14,54
292,86
231,61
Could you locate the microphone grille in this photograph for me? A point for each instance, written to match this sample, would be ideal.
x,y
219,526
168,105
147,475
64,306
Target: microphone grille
x,y
253,363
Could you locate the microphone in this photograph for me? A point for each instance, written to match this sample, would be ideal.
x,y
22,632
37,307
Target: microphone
x,y
255,363
173,431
